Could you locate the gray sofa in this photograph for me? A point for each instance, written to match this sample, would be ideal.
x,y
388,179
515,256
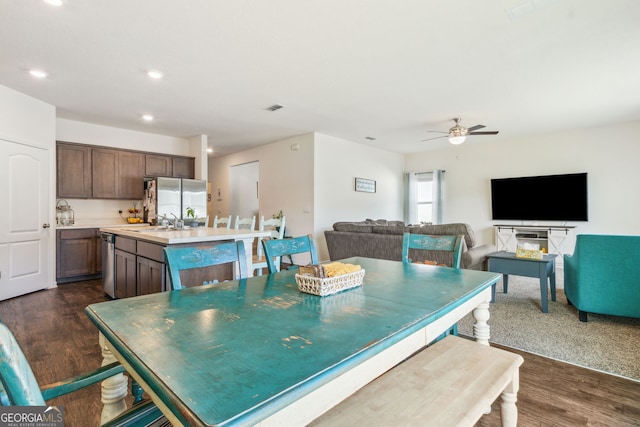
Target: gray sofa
x,y
383,239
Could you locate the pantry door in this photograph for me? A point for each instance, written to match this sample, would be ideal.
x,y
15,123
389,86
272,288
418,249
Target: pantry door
x,y
24,230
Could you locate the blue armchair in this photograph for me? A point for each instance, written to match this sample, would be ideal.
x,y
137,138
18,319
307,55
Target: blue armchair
x,y
603,275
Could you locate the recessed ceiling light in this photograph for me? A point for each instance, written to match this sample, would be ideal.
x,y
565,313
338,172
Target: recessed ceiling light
x,y
209,150
54,2
147,117
39,74
154,74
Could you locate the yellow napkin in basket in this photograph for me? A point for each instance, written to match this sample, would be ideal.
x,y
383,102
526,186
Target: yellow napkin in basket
x,y
333,269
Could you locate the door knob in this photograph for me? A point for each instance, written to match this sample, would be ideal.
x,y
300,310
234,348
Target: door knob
x,y
45,225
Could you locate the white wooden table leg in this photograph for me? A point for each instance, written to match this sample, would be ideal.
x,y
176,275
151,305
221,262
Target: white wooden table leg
x,y
114,389
508,409
481,330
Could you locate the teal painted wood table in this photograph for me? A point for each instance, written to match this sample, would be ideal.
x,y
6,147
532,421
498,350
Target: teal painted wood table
x,y
544,269
259,352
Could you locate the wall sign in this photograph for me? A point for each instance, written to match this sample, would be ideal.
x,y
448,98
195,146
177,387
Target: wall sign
x,y
365,185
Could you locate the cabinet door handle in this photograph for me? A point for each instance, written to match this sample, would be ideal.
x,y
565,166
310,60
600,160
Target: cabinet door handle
x,y
45,225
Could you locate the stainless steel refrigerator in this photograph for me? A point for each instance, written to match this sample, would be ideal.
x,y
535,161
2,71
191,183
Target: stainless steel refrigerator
x,y
171,197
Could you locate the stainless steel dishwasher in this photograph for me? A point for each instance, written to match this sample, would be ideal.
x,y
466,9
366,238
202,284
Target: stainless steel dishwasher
x,y
108,264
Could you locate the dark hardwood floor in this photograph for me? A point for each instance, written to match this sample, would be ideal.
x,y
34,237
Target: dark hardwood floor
x,y
60,341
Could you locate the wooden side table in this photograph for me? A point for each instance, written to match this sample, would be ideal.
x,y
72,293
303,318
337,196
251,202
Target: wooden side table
x,y
545,268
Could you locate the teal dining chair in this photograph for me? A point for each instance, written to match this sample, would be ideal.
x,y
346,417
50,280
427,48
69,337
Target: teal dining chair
x,y
277,248
19,386
425,242
179,259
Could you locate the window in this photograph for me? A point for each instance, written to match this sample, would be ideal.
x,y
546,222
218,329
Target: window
x,y
424,197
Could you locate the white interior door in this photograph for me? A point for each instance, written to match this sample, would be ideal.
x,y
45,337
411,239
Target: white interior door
x,y
24,228
243,183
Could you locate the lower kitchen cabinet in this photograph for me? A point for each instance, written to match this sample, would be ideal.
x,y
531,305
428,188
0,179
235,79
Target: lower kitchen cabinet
x,y
139,266
151,277
125,277
78,254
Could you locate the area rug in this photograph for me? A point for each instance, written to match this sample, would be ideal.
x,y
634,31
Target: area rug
x,y
605,343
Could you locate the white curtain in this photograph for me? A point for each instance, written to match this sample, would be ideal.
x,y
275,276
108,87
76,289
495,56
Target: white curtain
x,y
438,196
411,207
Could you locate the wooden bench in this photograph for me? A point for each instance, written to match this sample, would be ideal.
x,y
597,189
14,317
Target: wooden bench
x,y
452,383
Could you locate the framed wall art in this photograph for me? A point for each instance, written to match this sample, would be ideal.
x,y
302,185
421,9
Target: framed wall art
x,y
365,185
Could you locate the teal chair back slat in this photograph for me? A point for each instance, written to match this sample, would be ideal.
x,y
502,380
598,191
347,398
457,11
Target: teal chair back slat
x,y
277,248
180,258
433,243
18,381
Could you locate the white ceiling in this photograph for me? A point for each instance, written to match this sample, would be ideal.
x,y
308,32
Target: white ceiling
x,y
348,68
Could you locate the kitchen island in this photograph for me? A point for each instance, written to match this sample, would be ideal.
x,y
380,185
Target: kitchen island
x,y
139,266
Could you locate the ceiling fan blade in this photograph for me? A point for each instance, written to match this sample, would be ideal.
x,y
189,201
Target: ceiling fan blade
x,y
489,132
435,137
476,127
437,131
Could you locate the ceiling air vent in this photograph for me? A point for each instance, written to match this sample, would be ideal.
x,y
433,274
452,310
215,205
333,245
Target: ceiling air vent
x,y
274,107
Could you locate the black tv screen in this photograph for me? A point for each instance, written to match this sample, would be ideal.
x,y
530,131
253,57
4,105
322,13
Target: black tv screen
x,y
540,198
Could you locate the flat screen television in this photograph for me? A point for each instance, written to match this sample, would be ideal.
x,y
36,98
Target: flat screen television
x,y
540,198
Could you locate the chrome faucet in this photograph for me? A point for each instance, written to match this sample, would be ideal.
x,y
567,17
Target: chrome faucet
x,y
178,222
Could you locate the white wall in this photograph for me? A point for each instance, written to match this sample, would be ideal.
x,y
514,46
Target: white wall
x,y
314,183
98,211
608,154
198,149
89,133
286,181
337,163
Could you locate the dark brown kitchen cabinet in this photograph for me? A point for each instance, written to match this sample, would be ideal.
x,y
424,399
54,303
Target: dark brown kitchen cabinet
x,y
117,174
140,267
151,276
104,173
73,171
95,172
129,175
184,167
158,165
151,267
78,254
125,267
125,283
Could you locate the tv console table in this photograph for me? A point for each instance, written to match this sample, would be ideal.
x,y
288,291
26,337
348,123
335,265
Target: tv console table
x,y
556,239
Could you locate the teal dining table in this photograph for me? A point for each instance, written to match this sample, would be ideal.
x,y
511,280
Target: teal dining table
x,y
260,352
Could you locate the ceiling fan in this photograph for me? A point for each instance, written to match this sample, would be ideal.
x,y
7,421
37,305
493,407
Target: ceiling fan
x,y
458,133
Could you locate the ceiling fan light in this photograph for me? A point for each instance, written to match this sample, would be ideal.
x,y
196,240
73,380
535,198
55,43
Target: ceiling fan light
x,y
455,140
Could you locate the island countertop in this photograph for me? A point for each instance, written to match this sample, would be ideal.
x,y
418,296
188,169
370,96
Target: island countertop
x,y
192,235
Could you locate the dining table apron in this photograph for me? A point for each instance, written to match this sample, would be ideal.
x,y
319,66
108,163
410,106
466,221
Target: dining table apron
x,y
258,351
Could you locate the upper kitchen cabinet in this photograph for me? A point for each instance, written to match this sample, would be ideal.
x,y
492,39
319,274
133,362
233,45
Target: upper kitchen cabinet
x,y
158,165
130,175
184,167
117,174
91,171
73,171
104,173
